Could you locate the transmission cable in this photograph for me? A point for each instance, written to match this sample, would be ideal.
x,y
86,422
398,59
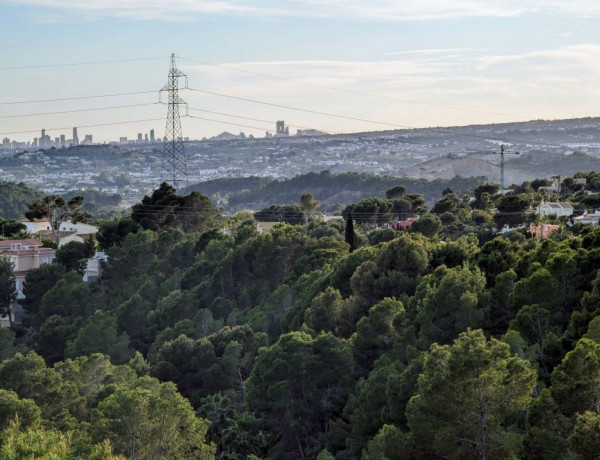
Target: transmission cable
x,y
86,126
433,130
77,98
79,110
251,119
360,93
74,64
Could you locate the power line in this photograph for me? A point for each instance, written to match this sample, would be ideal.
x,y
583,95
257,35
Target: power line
x,y
396,125
44,66
79,110
360,93
246,118
77,98
86,126
225,122
281,106
402,141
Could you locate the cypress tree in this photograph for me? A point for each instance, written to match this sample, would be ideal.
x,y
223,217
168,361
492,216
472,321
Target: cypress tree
x,y
350,235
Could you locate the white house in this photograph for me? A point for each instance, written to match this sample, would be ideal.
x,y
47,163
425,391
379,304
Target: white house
x,y
586,218
93,270
80,228
68,230
557,209
37,225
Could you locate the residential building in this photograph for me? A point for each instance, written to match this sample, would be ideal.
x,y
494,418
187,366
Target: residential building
x,y
25,255
403,224
36,226
68,231
93,269
557,209
542,231
589,219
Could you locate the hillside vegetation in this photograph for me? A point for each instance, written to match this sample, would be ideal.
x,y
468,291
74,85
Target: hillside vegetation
x,y
332,190
321,340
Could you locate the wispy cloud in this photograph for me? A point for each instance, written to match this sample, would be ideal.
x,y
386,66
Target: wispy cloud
x,y
539,84
389,10
582,57
433,51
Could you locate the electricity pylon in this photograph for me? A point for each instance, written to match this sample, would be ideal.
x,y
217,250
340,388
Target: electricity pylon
x,y
174,166
501,153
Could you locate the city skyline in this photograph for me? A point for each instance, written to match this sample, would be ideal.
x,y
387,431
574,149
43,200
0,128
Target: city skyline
x,y
45,141
332,66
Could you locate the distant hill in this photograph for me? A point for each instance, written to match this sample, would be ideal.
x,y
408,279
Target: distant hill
x,y
546,164
332,190
224,136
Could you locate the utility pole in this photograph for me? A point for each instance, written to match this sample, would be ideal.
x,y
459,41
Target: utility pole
x,y
174,166
501,153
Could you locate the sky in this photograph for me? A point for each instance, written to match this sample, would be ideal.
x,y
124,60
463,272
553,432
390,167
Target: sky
x,y
332,65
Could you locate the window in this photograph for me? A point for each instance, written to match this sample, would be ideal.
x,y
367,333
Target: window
x,y
46,260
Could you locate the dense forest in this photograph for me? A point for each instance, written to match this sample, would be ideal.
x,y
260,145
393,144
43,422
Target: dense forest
x,y
345,339
333,190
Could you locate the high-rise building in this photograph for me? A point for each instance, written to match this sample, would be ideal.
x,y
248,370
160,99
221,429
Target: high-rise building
x,y
75,138
63,141
139,139
6,143
45,142
88,140
151,135
279,127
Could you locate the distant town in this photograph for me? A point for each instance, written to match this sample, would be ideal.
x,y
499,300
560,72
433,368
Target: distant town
x,y
45,141
132,167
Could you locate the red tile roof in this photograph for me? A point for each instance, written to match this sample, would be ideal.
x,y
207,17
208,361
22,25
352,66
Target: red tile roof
x,y
29,242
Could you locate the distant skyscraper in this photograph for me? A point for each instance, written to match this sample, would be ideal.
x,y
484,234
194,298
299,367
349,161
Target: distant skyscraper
x,y
139,139
280,127
75,138
151,135
63,141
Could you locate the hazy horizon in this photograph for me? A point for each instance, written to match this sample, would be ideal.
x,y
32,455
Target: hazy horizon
x,y
421,64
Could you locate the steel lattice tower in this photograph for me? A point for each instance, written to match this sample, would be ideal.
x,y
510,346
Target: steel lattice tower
x,y
174,166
